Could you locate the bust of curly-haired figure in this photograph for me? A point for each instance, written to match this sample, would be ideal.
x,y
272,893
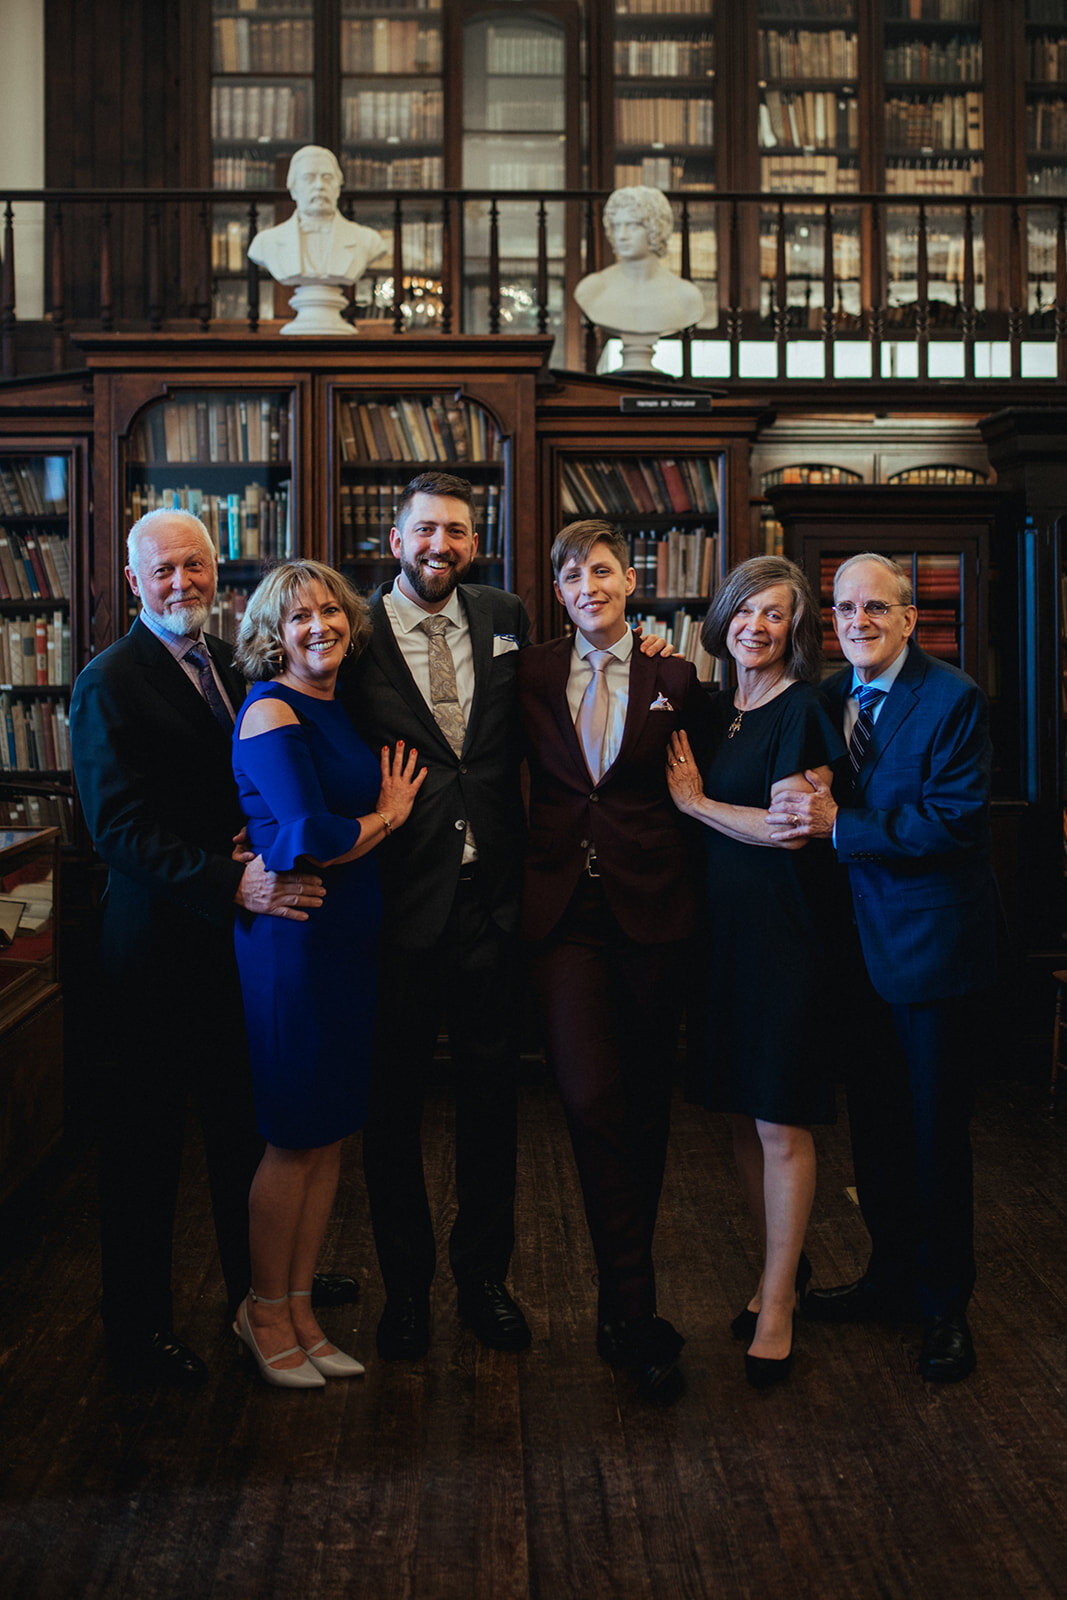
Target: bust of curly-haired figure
x,y
638,294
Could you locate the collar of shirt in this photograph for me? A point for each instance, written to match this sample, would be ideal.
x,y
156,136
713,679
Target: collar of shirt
x,y
622,649
618,676
409,615
885,682
176,643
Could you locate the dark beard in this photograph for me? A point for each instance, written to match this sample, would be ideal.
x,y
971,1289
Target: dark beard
x,y
432,587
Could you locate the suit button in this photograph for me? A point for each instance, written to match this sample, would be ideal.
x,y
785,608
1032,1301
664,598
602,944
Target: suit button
x,y
462,769
583,844
594,798
459,823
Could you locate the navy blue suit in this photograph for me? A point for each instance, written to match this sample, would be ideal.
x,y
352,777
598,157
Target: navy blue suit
x,y
913,832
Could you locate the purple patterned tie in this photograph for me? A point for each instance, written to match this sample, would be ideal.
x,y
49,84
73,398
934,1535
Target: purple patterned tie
x,y
200,659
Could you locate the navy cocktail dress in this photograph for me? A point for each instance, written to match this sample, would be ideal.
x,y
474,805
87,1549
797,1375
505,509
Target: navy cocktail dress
x,y
309,987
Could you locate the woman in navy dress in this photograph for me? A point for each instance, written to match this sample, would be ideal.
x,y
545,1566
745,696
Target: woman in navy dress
x,y
311,791
771,911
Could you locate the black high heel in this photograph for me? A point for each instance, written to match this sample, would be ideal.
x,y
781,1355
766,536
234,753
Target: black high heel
x,y
763,1372
744,1324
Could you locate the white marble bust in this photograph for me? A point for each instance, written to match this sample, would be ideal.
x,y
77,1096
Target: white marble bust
x,y
316,245
638,298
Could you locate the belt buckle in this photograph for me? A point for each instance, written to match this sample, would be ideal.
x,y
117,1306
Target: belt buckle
x,y
591,866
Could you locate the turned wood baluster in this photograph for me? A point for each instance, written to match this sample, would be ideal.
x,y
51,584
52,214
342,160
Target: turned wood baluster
x,y
922,299
252,308
781,293
446,266
494,268
542,266
828,287
59,310
107,299
1061,294
876,279
687,274
203,282
398,266
733,311
970,315
589,341
1016,292
7,296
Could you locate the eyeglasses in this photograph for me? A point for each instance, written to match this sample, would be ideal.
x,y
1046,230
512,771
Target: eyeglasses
x,y
847,609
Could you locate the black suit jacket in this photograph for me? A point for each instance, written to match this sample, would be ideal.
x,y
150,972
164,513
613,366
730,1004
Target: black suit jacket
x,y
646,851
420,865
156,785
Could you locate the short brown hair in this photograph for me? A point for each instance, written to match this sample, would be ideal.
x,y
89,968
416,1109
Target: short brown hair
x,y
260,653
576,540
444,484
749,578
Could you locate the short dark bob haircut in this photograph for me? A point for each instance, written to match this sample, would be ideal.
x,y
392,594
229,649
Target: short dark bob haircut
x,y
260,652
576,541
751,577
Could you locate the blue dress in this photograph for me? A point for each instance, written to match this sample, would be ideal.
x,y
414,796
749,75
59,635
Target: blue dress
x,y
309,987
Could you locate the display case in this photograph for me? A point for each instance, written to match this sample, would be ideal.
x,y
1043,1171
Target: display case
x,y
31,1022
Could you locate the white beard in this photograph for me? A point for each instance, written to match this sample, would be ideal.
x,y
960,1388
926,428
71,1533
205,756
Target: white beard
x,y
186,623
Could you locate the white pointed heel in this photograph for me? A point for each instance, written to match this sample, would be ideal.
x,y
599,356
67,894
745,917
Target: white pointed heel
x,y
337,1365
305,1376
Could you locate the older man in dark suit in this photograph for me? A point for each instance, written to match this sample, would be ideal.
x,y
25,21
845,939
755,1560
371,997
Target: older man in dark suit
x,y
609,904
913,832
151,724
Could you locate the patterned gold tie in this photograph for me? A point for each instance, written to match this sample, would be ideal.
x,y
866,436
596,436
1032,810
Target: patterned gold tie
x,y
444,696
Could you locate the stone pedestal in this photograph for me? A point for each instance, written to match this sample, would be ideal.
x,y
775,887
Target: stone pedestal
x,y
318,308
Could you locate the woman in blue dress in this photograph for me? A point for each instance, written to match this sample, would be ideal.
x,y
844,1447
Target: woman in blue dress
x,y
311,791
771,912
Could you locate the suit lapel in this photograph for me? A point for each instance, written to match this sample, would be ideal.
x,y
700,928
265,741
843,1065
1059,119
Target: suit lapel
x,y
384,649
557,671
170,681
480,623
643,675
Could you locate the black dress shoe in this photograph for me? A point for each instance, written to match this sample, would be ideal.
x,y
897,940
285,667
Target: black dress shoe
x,y
763,1372
649,1348
947,1353
492,1315
334,1289
862,1301
158,1358
404,1329
744,1324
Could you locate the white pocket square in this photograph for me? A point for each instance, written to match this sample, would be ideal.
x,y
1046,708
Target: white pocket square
x,y
661,703
503,642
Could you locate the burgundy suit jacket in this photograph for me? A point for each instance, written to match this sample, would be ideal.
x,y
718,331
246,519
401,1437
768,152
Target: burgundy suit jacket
x,y
646,851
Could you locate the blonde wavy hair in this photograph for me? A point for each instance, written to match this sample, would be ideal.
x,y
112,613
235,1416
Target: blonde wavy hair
x,y
260,653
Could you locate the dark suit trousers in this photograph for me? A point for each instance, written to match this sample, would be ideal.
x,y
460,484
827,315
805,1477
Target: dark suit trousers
x,y
158,1064
610,1008
910,1077
467,979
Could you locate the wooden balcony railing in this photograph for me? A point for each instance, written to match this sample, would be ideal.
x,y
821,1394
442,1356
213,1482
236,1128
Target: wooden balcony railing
x,y
874,270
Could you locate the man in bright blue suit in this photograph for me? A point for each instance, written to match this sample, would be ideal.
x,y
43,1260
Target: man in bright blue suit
x,y
913,832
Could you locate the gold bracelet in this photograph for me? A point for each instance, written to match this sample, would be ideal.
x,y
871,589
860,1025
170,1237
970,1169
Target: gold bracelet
x,y
386,824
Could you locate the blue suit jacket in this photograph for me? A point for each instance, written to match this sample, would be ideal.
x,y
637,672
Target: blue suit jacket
x,y
914,835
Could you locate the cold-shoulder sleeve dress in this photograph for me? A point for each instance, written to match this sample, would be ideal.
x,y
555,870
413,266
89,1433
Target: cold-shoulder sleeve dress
x,y
309,987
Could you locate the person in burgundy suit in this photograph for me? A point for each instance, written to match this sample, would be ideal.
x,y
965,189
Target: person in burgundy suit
x,y
609,906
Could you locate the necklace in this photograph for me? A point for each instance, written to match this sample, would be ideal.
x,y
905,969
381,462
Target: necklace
x,y
735,726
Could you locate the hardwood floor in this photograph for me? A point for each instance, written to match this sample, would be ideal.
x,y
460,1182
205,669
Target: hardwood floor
x,y
482,1476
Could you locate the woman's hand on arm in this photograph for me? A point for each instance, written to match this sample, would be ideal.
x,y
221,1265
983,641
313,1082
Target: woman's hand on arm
x,y
748,824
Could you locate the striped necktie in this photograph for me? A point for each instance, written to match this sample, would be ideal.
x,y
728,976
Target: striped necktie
x,y
200,659
861,734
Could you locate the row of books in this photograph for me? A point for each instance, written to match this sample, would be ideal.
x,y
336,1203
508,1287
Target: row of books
x,y
512,50
800,53
260,111
1047,183
34,565
383,114
673,564
389,44
1046,125
937,577
532,176
682,630
812,174
34,735
931,10
816,119
248,171
664,8
417,428
252,526
949,122
229,241
806,472
219,428
35,651
230,606
639,485
668,172
525,110
645,55
1046,11
368,511
399,172
804,257
242,44
810,10
40,811
958,60
661,119
934,176
953,477
33,486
